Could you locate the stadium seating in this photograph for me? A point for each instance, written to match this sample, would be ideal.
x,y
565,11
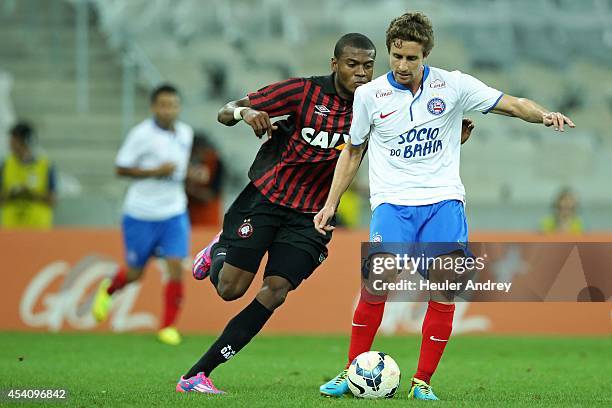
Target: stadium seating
x,y
39,49
245,45
7,113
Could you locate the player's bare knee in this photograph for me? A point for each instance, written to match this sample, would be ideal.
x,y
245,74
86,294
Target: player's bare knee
x,y
274,292
278,297
272,299
380,271
133,274
229,291
175,269
232,282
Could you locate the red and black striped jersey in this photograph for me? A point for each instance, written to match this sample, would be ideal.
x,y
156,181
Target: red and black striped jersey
x,y
296,166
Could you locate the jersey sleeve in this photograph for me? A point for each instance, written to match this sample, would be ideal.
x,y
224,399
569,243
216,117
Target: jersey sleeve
x,y
190,134
477,96
280,98
361,123
131,151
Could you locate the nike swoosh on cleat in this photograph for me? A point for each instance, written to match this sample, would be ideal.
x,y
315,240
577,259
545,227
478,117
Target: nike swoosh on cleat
x,y
382,116
434,339
358,325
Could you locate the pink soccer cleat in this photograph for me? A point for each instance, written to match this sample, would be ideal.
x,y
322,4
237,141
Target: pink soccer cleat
x,y
198,383
202,261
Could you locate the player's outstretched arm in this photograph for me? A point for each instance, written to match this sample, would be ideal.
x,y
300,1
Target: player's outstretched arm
x,y
235,111
346,168
530,111
164,170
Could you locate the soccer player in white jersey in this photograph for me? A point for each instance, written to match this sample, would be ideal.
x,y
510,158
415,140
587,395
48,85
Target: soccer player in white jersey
x,y
155,155
412,118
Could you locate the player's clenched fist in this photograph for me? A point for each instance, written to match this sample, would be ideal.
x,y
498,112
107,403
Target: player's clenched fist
x,y
259,121
321,220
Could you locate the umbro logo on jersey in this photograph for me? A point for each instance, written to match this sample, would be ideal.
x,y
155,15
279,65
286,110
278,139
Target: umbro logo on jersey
x,y
321,110
383,115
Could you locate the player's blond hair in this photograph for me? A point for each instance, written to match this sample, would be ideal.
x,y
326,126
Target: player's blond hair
x,y
412,27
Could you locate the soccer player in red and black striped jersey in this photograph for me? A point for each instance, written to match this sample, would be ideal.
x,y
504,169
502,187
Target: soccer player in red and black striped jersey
x,y
290,180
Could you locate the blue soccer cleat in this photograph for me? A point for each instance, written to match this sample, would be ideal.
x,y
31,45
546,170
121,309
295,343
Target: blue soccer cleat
x,y
337,386
421,390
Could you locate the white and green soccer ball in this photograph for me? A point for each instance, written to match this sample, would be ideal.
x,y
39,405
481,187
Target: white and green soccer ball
x,y
373,374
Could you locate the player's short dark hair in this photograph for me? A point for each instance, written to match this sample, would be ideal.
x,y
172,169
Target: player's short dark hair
x,y
412,27
163,88
23,131
355,40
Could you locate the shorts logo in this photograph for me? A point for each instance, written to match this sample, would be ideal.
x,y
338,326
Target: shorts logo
x,y
132,256
246,229
376,237
436,106
322,257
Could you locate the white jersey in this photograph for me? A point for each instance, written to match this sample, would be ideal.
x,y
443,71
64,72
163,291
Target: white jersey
x,y
414,140
147,146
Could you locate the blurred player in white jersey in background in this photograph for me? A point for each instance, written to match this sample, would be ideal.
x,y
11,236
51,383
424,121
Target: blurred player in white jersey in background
x,y
412,117
155,155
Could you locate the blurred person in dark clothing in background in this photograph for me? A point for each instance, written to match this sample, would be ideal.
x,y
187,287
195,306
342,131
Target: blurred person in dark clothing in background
x,y
203,186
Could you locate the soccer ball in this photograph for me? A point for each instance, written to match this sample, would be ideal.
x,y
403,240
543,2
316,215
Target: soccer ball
x,y
373,375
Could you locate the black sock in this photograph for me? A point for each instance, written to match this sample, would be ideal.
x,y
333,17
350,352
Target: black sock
x,y
217,259
237,334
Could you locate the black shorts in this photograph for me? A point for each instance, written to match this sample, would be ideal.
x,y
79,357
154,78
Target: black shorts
x,y
253,226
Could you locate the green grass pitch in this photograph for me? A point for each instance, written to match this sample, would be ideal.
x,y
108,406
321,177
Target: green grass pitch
x,y
135,370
